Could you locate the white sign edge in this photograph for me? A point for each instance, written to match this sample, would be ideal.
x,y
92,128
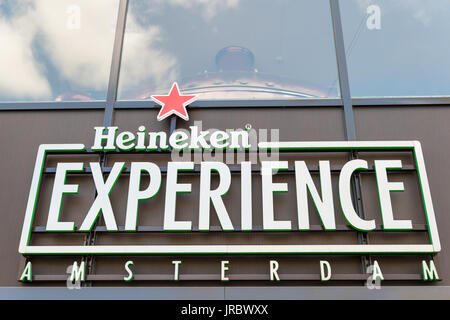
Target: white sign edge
x,y
24,248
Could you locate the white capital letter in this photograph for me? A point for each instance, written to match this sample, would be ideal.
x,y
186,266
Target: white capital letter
x,y
345,196
102,202
130,276
325,265
377,274
27,274
176,275
215,196
429,273
109,137
223,269
246,196
172,188
268,188
384,189
59,189
274,265
134,194
324,206
78,274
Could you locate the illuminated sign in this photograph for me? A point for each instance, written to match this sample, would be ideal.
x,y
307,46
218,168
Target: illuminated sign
x,y
305,188
215,180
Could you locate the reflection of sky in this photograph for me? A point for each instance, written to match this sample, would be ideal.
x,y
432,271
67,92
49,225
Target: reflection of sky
x,y
408,56
183,37
176,40
44,57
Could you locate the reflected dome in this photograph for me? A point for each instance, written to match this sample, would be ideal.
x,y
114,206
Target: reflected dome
x,y
236,77
235,58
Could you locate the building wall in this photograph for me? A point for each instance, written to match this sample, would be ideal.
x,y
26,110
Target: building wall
x,y
28,129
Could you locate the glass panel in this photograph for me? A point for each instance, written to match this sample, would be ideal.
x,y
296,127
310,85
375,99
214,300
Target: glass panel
x,y
397,48
56,50
229,49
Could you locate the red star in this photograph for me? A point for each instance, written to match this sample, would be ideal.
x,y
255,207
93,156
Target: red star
x,y
174,103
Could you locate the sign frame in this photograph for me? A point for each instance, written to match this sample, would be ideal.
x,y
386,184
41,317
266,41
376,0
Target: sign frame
x,y
414,146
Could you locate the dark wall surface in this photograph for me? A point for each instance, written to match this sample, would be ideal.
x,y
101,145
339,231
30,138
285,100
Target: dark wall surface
x,y
21,135
429,125
22,132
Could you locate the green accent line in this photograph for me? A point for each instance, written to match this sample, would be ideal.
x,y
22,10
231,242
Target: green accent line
x,y
240,253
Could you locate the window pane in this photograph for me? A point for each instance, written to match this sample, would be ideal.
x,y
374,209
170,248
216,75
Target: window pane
x,y
397,48
56,50
229,49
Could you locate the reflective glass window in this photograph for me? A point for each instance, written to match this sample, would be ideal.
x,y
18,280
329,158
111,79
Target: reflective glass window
x,y
397,48
56,50
229,49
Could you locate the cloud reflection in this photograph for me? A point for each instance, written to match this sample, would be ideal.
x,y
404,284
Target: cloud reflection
x,y
42,58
